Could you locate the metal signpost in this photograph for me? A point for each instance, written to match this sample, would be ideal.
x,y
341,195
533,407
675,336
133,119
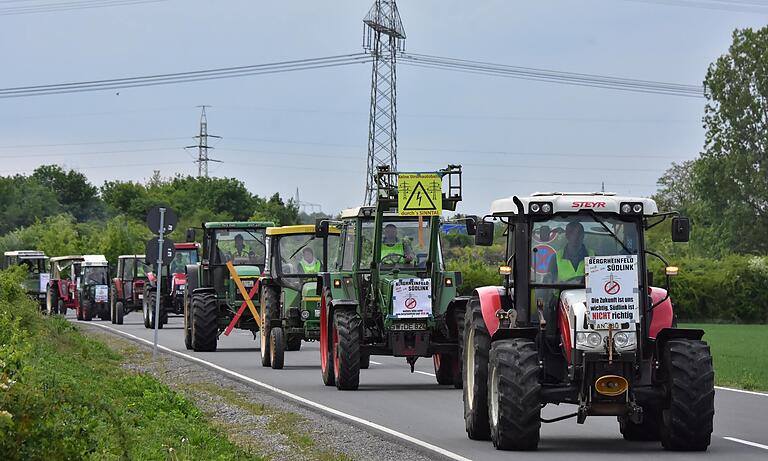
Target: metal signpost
x,y
164,221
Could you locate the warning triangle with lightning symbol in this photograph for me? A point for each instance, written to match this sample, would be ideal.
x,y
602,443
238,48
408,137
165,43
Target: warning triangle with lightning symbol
x,y
419,200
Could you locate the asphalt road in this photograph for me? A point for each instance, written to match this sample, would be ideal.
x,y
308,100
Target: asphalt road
x,y
414,404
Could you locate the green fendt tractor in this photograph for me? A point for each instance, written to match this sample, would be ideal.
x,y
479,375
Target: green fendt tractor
x,y
212,298
389,293
290,306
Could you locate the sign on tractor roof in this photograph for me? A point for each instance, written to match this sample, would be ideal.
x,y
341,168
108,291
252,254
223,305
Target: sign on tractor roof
x,y
419,195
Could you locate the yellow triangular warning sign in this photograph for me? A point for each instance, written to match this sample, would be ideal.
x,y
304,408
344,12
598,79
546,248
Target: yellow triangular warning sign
x,y
420,195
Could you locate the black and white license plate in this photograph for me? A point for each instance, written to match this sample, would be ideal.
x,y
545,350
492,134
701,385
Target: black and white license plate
x,y
248,283
409,326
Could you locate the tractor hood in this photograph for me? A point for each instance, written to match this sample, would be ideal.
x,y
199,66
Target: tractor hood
x,y
573,303
179,280
248,271
309,290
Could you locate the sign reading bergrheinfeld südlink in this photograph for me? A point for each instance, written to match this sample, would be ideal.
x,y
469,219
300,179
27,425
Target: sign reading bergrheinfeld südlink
x,y
612,289
412,298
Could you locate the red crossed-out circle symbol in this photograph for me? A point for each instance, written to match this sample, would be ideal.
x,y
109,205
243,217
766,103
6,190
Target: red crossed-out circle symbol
x,y
612,287
410,303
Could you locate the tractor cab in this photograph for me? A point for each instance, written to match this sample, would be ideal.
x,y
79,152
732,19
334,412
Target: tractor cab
x,y
289,300
93,288
127,291
62,287
234,253
36,265
578,321
389,292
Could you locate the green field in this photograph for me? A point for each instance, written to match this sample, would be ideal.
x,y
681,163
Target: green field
x,y
740,354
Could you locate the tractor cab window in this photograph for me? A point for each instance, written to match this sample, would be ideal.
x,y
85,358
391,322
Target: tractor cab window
x,y
405,242
560,244
95,275
300,255
33,266
334,241
348,247
241,247
128,266
142,269
181,259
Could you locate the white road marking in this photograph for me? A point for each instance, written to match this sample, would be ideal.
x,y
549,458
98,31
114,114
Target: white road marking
x,y
424,373
376,363
747,442
761,394
319,406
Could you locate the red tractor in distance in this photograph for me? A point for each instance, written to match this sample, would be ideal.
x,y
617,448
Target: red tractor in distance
x,y
127,290
61,294
172,290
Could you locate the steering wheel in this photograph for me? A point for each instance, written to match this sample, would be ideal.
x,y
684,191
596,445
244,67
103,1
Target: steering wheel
x,y
395,258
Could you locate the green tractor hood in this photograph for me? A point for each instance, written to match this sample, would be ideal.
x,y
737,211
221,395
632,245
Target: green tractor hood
x,y
247,271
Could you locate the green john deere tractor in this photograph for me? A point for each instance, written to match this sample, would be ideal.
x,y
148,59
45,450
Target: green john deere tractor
x,y
212,299
290,306
389,293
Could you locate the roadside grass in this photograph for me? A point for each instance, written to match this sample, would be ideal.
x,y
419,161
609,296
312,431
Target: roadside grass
x,y
739,353
296,429
64,396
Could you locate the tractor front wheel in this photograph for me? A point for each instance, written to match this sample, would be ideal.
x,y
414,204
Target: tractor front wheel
x,y
477,345
269,303
119,312
687,423
514,403
326,335
276,348
204,322
346,349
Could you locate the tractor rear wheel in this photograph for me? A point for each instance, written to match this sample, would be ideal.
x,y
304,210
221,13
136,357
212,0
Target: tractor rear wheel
x,y
445,368
365,361
648,430
145,308
79,311
62,308
326,337
204,322
270,303
52,300
87,307
276,348
346,349
477,345
458,313
119,312
113,304
293,343
513,395
687,423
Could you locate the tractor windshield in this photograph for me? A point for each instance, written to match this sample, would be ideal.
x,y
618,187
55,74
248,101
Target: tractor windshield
x,y
300,254
182,258
405,242
243,247
560,244
95,275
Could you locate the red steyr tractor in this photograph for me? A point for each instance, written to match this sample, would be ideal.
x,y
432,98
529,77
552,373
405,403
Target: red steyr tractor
x,y
173,285
578,321
62,285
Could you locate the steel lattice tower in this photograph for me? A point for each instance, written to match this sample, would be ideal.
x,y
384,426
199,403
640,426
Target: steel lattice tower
x,y
202,146
383,37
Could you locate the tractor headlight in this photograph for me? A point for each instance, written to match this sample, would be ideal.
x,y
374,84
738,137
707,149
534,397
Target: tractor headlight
x,y
304,315
637,208
594,339
581,338
535,207
626,208
546,208
621,340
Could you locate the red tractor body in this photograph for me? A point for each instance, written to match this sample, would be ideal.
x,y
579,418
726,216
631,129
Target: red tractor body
x,y
174,283
61,294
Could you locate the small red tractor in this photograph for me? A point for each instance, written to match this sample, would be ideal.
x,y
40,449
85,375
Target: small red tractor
x,y
172,290
127,290
578,321
62,286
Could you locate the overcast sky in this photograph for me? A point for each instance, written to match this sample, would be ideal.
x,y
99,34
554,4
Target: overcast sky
x,y
309,129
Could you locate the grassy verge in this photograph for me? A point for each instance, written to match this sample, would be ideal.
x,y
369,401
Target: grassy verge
x,y
64,396
739,353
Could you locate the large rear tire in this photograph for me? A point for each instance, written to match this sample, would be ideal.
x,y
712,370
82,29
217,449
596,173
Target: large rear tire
x,y
346,349
276,348
687,423
52,300
477,345
204,322
326,340
513,395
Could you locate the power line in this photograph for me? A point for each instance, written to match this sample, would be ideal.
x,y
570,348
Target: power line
x,y
69,6
91,143
185,77
717,5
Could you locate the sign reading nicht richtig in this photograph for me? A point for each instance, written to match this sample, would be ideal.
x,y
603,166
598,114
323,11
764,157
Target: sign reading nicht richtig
x,y
612,289
419,195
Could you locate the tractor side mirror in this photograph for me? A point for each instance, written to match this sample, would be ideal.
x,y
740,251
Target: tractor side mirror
x,y
681,229
190,235
484,235
471,222
321,228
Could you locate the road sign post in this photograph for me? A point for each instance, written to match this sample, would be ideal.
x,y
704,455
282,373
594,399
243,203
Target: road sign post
x,y
159,279
162,220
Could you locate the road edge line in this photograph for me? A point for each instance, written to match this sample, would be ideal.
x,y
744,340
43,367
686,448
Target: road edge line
x,y
741,391
306,402
747,442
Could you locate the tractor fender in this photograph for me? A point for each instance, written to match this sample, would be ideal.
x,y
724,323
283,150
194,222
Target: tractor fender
x,y
450,317
116,282
662,316
193,276
490,302
667,334
518,332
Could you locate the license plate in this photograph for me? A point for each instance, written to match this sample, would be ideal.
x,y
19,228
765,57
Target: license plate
x,y
141,296
409,326
41,296
248,283
317,313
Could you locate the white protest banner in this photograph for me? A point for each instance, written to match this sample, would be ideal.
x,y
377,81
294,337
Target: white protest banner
x,y
45,277
412,298
102,294
612,289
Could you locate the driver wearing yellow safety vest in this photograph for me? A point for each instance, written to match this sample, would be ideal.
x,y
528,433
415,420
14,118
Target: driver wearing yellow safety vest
x,y
569,262
392,245
308,263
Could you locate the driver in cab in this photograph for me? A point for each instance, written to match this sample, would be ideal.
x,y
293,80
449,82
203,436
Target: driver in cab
x,y
391,244
568,263
242,252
